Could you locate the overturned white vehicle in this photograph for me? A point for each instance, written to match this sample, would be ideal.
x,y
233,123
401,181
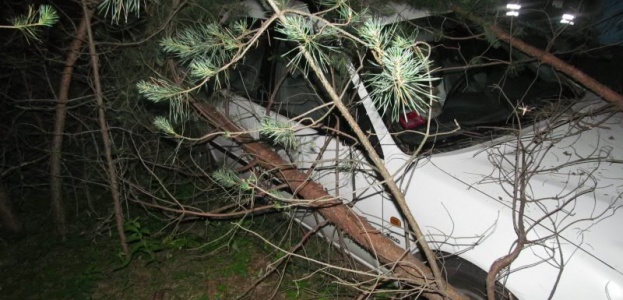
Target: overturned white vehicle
x,y
512,158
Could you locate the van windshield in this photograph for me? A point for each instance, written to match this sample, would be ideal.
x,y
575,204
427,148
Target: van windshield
x,y
486,91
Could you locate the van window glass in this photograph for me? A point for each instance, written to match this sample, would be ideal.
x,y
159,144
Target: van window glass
x,y
485,95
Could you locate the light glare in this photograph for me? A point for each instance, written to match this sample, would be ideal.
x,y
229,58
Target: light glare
x,y
567,19
513,9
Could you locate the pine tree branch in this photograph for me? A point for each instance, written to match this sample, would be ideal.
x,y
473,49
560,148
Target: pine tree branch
x,y
161,90
45,16
378,162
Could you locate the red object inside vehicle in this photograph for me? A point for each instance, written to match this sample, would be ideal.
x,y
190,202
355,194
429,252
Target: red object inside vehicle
x,y
412,120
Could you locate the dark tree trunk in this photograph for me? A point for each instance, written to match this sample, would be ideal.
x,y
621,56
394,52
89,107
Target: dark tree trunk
x,y
7,215
56,181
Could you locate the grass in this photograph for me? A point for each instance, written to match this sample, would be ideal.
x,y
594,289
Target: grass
x,y
43,267
208,261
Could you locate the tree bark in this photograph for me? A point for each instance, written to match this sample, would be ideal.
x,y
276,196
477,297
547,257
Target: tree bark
x,y
357,227
110,164
56,181
550,59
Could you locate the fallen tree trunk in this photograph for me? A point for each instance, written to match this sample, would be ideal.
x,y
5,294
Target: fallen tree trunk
x,y
357,227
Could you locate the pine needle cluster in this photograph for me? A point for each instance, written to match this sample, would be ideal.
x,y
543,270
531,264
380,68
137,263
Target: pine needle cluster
x,y
122,8
207,50
229,179
280,133
403,83
302,31
45,16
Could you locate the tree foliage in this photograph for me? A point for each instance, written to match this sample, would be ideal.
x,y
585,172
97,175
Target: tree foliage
x,y
118,9
403,84
29,24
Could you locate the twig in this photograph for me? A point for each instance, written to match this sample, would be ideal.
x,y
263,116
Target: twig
x,y
110,164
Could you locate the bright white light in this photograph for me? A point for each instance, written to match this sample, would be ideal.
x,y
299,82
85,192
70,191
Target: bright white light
x,y
567,19
513,9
